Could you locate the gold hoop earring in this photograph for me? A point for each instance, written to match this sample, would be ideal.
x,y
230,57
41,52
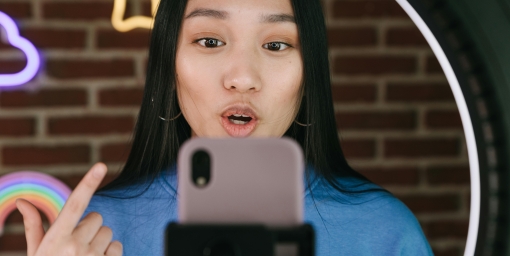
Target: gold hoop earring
x,y
304,125
171,119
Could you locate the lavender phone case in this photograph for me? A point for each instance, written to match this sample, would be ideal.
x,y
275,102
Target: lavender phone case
x,y
252,181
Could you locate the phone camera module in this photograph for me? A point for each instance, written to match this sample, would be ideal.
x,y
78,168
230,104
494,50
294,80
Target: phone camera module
x,y
201,168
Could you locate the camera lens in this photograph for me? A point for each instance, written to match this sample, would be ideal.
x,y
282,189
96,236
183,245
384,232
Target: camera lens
x,y
201,168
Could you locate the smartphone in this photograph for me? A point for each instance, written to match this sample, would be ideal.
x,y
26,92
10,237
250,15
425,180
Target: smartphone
x,y
241,181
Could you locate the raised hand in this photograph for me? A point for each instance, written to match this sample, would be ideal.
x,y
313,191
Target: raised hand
x,y
66,236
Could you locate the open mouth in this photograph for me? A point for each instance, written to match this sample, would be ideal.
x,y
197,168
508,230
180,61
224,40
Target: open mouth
x,y
239,119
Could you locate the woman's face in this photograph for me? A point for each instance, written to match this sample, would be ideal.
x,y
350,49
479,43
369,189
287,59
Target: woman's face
x,y
239,67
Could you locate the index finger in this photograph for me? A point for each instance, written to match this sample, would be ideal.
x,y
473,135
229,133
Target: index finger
x,y
79,200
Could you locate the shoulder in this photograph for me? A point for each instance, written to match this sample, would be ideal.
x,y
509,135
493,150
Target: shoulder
x,y
370,204
374,221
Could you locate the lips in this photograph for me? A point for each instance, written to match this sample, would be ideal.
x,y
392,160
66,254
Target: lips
x,y
239,121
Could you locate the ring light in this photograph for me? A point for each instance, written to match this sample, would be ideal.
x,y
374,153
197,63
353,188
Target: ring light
x,y
473,154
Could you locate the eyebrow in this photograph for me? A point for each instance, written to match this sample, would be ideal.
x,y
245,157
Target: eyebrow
x,y
222,15
277,18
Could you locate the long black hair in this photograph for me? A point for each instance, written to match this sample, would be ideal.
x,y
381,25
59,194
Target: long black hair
x,y
156,142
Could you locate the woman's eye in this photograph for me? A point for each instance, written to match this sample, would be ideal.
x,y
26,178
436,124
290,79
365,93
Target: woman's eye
x,y
210,42
276,46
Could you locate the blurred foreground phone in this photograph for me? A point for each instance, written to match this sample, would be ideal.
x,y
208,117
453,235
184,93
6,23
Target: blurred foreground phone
x,y
241,181
257,182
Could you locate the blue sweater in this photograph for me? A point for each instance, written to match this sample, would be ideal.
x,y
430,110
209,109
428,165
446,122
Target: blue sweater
x,y
374,223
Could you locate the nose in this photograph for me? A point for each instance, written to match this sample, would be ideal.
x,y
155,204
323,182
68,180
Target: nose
x,y
242,73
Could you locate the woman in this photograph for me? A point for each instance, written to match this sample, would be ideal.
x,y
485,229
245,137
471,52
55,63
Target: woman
x,y
231,68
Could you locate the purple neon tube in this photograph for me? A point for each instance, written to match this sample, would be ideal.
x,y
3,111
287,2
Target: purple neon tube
x,y
33,60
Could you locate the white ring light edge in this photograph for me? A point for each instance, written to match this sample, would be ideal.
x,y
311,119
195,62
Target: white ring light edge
x,y
474,213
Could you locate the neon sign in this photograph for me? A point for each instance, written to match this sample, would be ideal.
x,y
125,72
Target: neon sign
x,y
45,192
14,39
118,22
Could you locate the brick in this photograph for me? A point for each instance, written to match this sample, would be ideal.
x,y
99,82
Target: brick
x,y
90,68
448,175
367,9
115,152
45,155
43,98
12,66
8,48
47,38
443,119
92,125
405,37
5,46
431,203
352,37
358,148
421,147
447,229
16,218
374,65
354,93
13,242
77,10
392,176
17,10
147,9
432,66
376,120
73,180
134,39
121,97
422,92
17,127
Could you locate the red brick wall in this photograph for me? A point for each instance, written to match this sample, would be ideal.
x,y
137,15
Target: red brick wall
x,y
396,115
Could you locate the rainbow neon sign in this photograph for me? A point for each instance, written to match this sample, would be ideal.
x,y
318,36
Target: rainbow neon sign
x,y
33,60
45,192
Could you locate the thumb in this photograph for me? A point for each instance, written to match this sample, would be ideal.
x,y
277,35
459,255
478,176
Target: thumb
x,y
34,231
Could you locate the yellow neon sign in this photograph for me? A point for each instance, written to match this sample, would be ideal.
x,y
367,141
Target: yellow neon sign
x,y
118,22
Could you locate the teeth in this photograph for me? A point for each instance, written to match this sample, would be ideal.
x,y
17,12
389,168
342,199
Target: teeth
x,y
237,121
238,115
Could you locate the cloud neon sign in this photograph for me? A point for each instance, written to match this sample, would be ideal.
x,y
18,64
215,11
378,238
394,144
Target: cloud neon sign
x,y
118,22
33,60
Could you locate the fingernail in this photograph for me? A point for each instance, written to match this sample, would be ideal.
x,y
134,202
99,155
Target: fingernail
x,y
99,172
